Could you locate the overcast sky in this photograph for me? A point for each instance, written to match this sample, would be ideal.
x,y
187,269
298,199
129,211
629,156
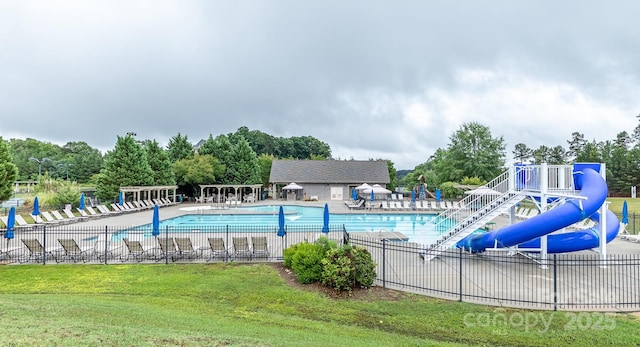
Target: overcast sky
x,y
373,79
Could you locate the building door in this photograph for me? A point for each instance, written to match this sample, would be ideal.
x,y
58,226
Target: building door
x,y
337,193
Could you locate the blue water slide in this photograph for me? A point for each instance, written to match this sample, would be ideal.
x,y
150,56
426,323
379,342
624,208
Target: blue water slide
x,y
527,233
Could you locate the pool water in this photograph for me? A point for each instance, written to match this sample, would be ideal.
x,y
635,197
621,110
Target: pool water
x,y
418,227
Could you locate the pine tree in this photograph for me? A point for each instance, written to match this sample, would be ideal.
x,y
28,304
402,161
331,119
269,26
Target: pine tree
x,y
160,164
8,171
126,165
243,167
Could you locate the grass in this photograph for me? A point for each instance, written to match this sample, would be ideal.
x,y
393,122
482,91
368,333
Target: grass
x,y
251,305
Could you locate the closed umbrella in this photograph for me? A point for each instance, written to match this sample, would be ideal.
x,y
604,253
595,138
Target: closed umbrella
x,y
36,207
325,225
625,213
354,194
413,196
156,221
373,196
11,220
281,229
81,202
120,199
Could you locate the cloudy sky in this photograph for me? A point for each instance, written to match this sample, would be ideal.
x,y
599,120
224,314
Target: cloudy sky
x,y
373,79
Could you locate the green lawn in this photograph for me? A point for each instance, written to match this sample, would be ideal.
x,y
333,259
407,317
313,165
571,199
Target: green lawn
x,y
250,305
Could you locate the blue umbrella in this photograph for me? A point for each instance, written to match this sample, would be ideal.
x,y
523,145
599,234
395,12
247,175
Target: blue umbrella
x,y
11,220
156,221
325,225
36,207
373,197
354,194
413,196
120,199
281,230
438,195
81,206
422,195
625,213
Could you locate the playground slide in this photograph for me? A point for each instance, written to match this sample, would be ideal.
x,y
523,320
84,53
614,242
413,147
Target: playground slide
x,y
527,233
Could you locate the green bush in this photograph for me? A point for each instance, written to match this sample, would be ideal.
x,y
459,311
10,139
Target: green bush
x,y
306,262
288,254
326,244
347,268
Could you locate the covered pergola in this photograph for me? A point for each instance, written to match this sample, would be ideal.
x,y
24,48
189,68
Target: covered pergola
x,y
234,192
150,192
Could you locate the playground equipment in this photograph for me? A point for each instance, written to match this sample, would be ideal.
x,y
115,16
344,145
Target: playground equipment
x,y
565,195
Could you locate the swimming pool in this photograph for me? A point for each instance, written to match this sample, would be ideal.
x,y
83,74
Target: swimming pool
x,y
418,227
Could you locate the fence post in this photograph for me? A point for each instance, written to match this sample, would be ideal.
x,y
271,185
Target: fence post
x,y
460,271
106,243
166,244
44,245
226,237
555,284
384,263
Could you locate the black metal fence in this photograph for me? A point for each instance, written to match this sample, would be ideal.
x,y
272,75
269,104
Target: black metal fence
x,y
115,245
567,282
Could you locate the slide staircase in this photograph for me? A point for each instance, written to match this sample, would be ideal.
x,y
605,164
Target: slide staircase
x,y
473,212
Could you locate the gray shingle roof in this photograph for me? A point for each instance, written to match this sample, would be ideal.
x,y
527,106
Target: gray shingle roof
x,y
329,171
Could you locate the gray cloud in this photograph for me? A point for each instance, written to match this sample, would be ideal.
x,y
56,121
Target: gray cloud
x,y
374,80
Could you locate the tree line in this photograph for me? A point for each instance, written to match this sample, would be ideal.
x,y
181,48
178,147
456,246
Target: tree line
x,y
472,156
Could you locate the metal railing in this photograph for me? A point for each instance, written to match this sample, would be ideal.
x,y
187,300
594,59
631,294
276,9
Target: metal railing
x,y
115,245
571,281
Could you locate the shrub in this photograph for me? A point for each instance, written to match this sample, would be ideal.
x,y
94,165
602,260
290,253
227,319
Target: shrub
x,y
306,262
326,244
347,268
288,254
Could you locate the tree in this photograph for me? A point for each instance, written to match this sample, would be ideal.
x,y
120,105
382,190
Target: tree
x,y
84,161
265,161
522,153
126,165
195,170
243,166
8,171
179,147
576,145
541,155
22,150
160,164
557,156
590,153
474,152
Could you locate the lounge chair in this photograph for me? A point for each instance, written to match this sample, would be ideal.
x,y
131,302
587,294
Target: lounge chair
x,y
37,252
48,218
241,248
72,251
71,216
217,248
135,250
259,247
19,221
167,249
60,218
104,248
185,248
105,210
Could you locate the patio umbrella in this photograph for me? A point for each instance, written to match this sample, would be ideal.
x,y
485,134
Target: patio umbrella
x,y
11,220
325,225
363,186
120,199
281,230
81,202
413,196
373,196
354,194
625,213
422,195
293,186
156,221
36,207
378,189
438,195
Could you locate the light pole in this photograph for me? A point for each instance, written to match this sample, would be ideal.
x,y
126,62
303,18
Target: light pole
x,y
65,167
39,161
